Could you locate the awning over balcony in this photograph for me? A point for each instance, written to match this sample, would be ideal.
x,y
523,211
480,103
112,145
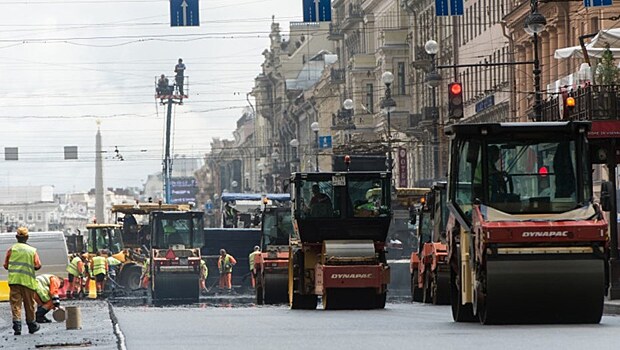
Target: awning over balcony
x,y
596,47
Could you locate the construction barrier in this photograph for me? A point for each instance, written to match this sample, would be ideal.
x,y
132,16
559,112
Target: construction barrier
x,y
4,291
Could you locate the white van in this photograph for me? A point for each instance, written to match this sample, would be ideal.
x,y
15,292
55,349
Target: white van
x,y
52,249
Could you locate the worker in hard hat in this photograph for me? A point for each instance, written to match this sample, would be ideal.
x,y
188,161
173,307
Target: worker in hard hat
x,y
75,271
22,261
99,271
371,206
252,259
204,273
47,295
225,264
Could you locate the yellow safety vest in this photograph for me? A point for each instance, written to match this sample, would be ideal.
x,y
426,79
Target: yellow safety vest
x,y
99,265
72,268
21,266
204,271
43,289
224,263
252,257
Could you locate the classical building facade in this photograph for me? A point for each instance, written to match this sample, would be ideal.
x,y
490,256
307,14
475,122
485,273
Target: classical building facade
x,y
566,22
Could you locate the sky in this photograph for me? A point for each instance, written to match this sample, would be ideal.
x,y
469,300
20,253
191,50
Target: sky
x,y
67,64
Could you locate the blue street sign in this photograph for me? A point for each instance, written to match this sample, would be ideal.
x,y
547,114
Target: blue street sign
x,y
441,8
322,7
184,13
596,3
325,142
456,7
450,7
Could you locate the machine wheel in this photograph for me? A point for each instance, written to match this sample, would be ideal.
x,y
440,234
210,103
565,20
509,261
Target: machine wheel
x,y
130,277
274,288
304,302
296,300
350,298
416,292
259,294
380,300
460,312
440,288
426,290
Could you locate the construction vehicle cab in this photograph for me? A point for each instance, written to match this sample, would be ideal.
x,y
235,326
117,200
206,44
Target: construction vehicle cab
x,y
341,221
272,264
176,239
134,218
107,238
526,242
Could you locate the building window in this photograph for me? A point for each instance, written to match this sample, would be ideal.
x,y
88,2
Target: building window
x,y
39,217
401,78
20,217
30,217
370,97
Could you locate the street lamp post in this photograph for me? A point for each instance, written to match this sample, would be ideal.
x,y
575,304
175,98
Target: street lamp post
x,y
274,157
388,105
294,144
433,79
348,114
315,128
534,24
260,166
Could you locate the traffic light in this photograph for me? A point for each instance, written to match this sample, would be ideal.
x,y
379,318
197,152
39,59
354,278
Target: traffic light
x,y
455,101
569,106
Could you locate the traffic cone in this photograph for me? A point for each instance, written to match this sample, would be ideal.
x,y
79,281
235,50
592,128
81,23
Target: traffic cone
x,y
92,289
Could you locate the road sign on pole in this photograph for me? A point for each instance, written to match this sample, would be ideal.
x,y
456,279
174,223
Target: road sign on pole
x,y
321,7
184,13
597,3
325,142
454,7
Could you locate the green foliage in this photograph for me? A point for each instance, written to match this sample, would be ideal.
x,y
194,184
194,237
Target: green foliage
x,y
607,71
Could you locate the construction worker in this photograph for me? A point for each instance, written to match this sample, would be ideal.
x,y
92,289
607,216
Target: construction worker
x,y
75,271
179,77
99,268
230,216
146,273
204,273
225,264
252,259
87,276
22,261
47,295
114,266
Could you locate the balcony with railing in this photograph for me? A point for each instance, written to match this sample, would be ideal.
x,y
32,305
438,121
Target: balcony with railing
x,y
354,15
592,102
335,32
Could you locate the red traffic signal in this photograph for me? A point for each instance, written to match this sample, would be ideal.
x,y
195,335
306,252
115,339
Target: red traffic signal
x,y
456,88
455,100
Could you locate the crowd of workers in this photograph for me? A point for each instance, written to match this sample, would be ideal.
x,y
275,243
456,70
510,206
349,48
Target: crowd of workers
x,y
40,294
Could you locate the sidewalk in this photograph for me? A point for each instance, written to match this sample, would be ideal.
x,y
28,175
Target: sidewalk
x,y
96,328
612,307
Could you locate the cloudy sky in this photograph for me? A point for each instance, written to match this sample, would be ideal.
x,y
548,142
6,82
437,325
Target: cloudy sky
x,y
68,63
